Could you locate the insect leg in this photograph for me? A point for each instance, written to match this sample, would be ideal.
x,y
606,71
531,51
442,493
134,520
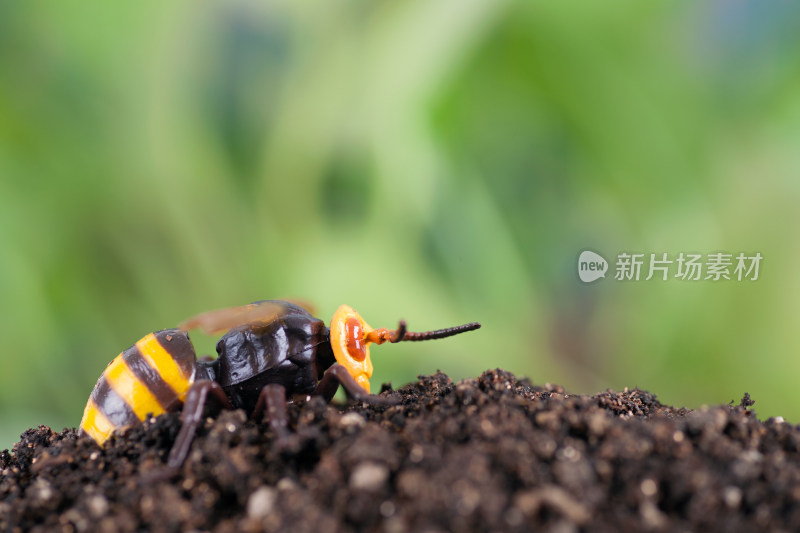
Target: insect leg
x,y
272,402
338,375
192,414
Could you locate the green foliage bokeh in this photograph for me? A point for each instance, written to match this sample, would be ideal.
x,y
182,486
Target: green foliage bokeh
x,y
441,162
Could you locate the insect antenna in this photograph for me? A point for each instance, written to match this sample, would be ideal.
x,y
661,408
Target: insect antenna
x,y
381,335
436,334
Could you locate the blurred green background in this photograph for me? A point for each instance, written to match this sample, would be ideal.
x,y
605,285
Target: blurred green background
x,y
441,162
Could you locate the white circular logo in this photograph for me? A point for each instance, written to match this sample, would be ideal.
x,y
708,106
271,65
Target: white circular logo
x,y
591,266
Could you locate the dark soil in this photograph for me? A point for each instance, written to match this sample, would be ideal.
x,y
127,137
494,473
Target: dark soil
x,y
488,454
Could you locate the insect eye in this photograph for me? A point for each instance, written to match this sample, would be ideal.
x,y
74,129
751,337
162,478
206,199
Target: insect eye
x,y
354,338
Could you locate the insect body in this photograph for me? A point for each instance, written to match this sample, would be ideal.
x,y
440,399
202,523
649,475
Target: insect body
x,y
271,349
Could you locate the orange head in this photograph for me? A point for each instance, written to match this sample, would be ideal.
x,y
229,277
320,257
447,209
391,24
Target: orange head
x,y
351,337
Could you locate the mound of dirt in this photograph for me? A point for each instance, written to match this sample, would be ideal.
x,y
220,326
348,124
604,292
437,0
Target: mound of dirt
x,y
488,454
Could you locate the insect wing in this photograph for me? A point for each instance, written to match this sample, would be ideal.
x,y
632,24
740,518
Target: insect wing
x,y
309,307
214,322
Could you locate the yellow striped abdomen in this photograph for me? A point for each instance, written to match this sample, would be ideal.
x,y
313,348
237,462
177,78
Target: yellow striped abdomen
x,y
151,377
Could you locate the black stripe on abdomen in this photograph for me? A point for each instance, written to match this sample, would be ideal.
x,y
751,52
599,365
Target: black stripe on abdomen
x,y
112,405
150,377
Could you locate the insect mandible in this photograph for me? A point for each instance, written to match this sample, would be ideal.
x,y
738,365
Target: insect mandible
x,y
272,350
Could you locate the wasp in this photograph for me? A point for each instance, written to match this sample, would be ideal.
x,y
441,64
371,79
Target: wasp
x,y
272,351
